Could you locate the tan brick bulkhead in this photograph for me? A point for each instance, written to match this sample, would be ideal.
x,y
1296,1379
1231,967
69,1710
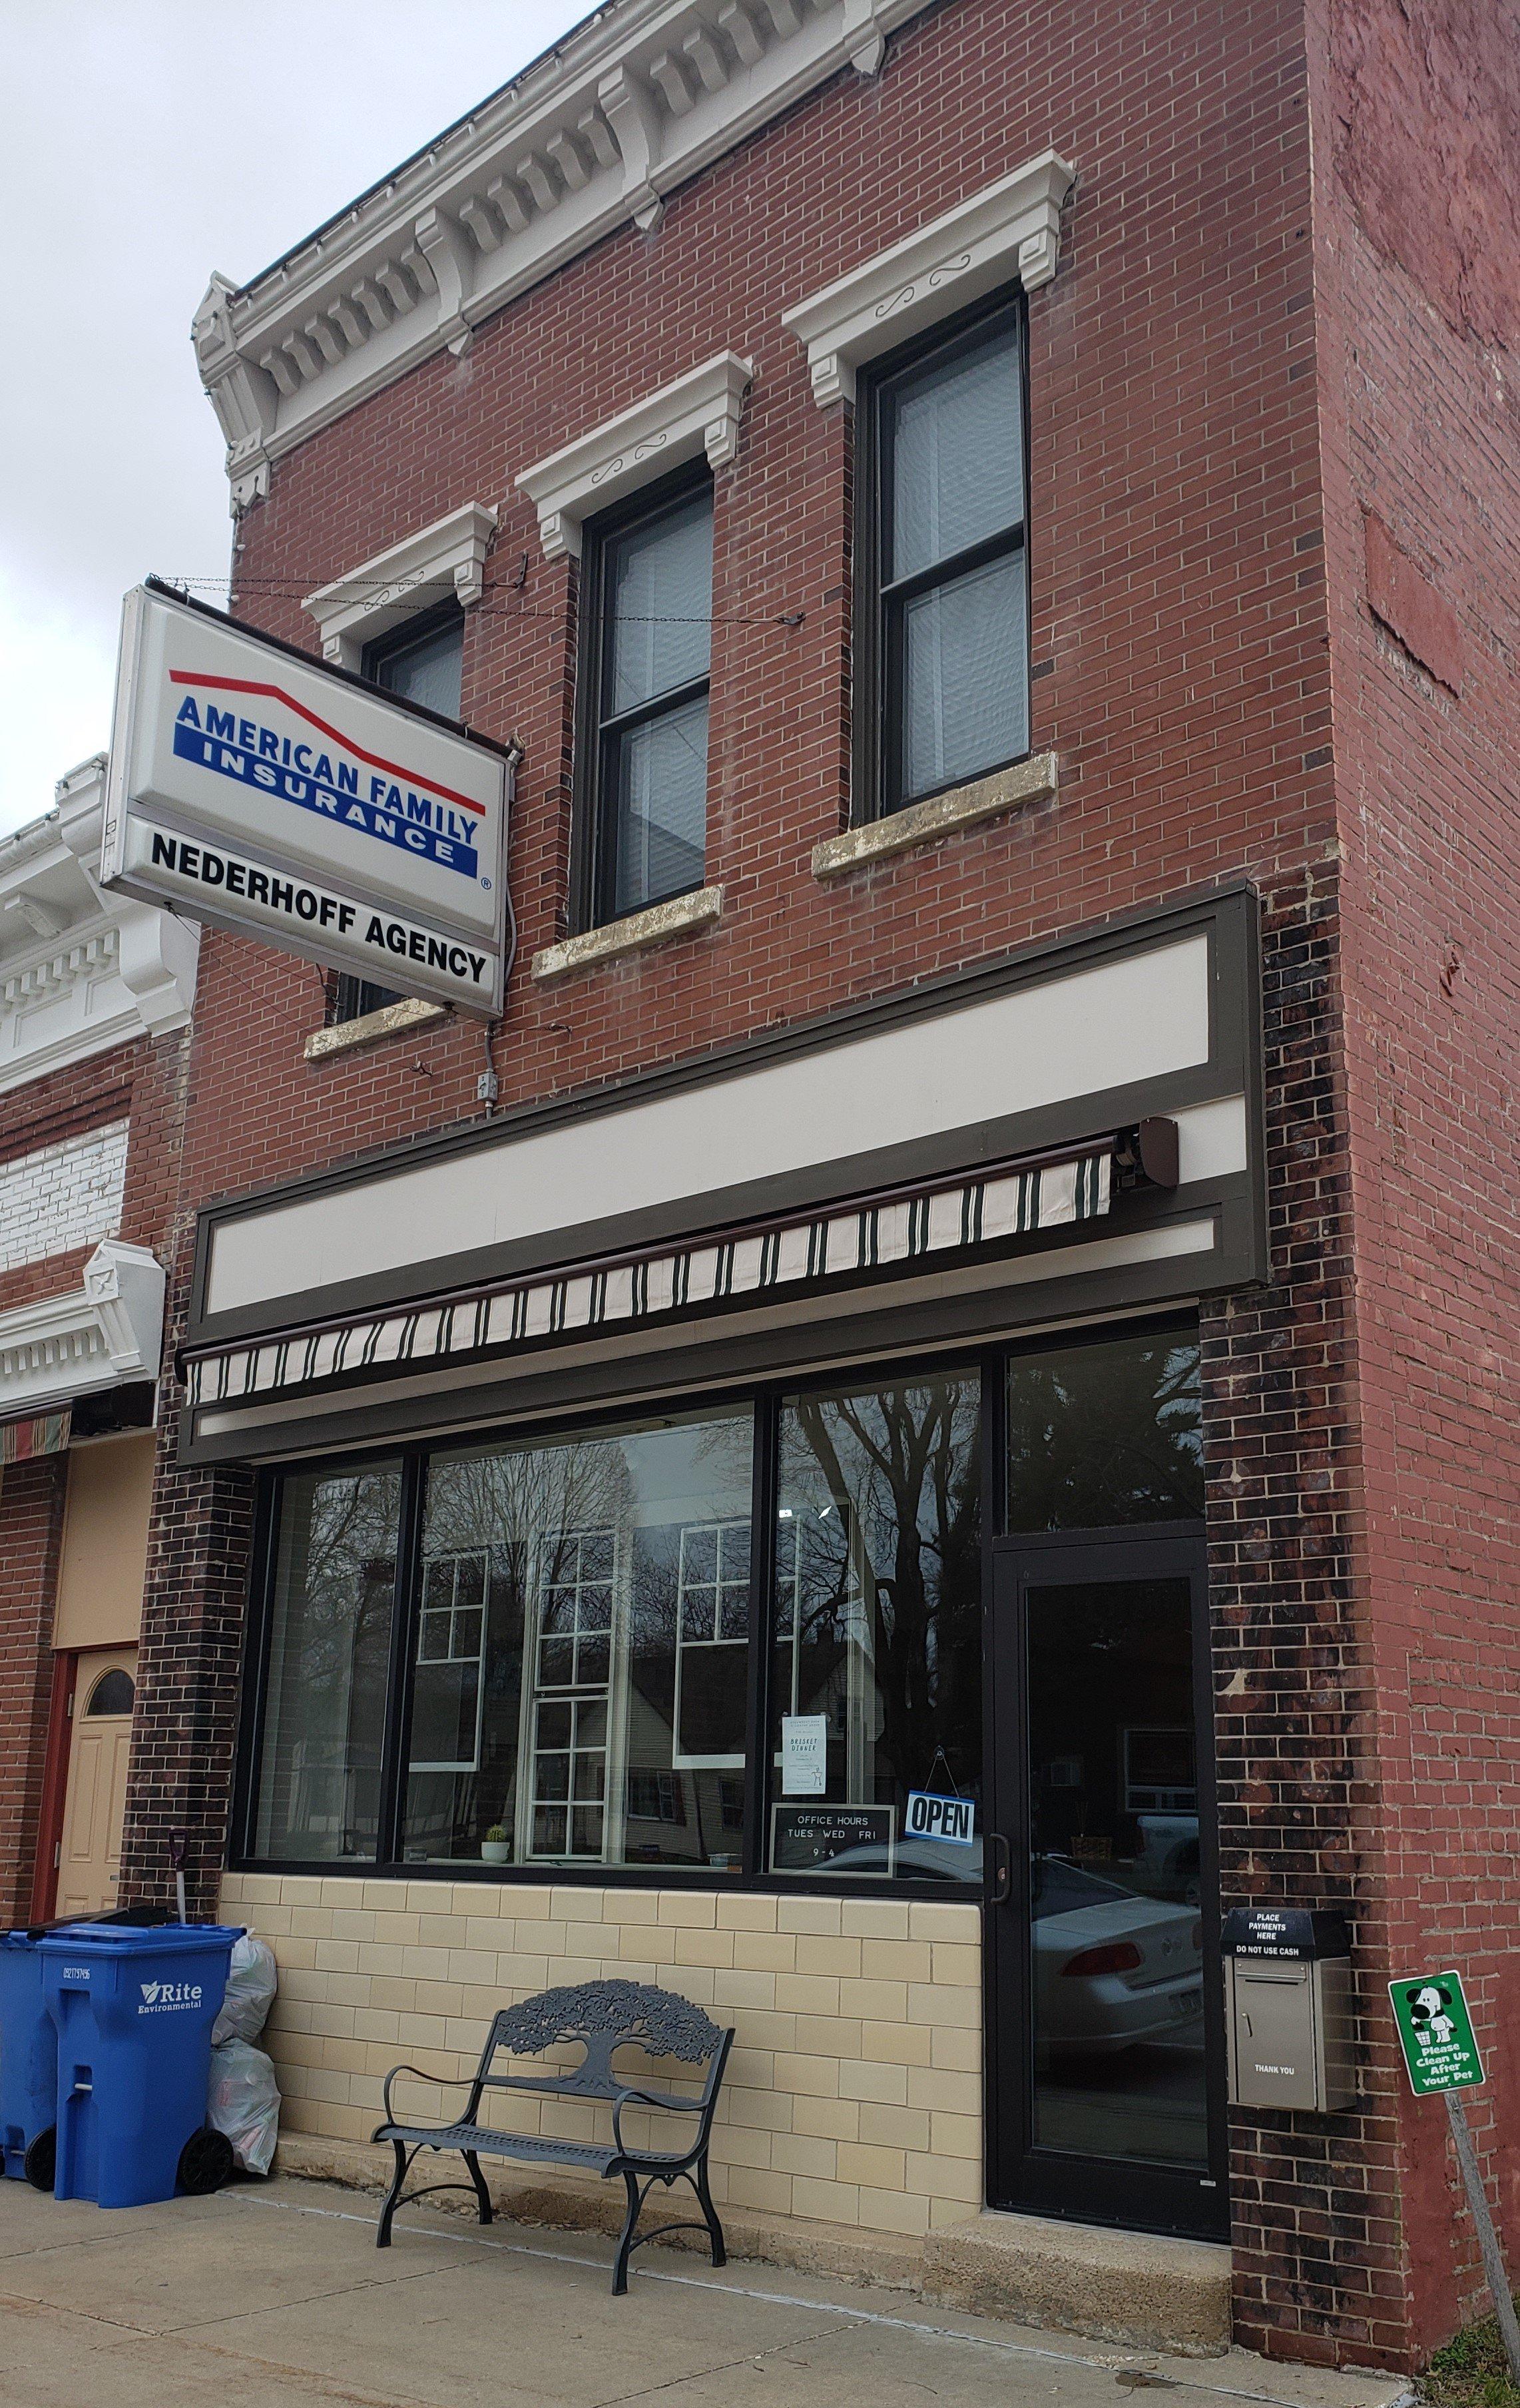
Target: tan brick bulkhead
x,y
854,2093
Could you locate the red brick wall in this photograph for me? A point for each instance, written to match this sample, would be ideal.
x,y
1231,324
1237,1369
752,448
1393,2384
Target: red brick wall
x,y
1180,632
1418,262
30,1524
1178,593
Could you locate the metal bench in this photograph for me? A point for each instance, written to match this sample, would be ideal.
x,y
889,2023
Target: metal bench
x,y
603,2017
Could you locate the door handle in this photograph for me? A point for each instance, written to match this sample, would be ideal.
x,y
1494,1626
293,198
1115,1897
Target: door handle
x,y
1002,1876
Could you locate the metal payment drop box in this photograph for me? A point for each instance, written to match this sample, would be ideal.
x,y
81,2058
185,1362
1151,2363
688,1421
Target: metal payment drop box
x,y
1287,2008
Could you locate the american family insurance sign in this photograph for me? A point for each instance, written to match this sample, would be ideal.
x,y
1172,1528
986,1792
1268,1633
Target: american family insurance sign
x,y
257,791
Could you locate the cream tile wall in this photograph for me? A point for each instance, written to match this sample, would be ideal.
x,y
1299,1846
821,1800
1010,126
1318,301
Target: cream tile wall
x,y
854,2092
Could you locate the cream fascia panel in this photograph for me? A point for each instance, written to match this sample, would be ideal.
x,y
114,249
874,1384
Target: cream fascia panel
x,y
1012,228
446,559
1119,1022
699,412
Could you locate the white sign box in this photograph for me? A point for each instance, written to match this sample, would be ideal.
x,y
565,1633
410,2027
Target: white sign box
x,y
257,791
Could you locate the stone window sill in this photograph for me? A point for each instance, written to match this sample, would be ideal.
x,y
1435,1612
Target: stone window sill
x,y
348,1036
1006,790
681,917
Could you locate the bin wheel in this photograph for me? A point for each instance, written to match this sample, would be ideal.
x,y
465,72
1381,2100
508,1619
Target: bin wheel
x,y
40,2163
204,2163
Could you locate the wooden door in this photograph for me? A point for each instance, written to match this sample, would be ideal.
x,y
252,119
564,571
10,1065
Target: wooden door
x,y
89,1855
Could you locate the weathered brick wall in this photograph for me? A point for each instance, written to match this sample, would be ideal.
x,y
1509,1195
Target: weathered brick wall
x,y
62,1197
189,1671
1418,266
30,1524
1316,2233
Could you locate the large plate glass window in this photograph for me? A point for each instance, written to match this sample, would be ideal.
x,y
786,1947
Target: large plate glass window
x,y
876,1660
323,1722
645,758
943,654
579,1683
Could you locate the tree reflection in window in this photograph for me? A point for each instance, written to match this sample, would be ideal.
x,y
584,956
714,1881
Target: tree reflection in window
x,y
319,1790
1103,1434
879,1598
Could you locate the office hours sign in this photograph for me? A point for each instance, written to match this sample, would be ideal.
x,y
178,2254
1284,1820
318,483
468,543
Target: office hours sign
x,y
256,790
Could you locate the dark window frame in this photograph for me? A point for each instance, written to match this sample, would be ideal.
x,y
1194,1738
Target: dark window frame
x,y
592,853
350,997
876,715
764,1401
397,640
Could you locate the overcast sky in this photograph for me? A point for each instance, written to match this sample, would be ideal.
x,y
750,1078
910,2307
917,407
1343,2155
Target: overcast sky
x,y
144,143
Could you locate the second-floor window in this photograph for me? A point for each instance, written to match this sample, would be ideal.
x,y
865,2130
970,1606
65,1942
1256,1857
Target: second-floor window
x,y
941,641
422,661
644,722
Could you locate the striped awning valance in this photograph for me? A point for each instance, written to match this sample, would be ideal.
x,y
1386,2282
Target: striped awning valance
x,y
876,1235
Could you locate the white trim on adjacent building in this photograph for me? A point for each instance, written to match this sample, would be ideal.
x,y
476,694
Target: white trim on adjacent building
x,y
109,1330
80,970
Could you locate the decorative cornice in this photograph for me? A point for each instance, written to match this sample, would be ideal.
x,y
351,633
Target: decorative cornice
x,y
80,970
589,139
109,1330
446,558
1012,228
698,413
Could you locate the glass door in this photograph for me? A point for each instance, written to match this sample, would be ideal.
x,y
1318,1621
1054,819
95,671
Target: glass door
x,y
1105,2026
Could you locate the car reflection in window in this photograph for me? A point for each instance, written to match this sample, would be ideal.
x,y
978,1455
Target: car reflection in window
x,y
1110,1968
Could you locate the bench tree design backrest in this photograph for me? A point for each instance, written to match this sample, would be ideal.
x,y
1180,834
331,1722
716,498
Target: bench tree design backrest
x,y
603,2017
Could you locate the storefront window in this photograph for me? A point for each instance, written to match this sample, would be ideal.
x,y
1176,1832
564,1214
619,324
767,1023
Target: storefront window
x,y
579,1679
577,1684
324,1721
876,1689
1106,1433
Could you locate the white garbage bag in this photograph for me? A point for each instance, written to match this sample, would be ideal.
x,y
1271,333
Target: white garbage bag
x,y
251,1991
244,2102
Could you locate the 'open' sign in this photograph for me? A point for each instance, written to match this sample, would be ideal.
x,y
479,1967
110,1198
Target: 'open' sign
x,y
939,1818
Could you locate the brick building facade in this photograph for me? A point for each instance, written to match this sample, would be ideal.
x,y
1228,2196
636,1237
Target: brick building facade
x,y
1243,870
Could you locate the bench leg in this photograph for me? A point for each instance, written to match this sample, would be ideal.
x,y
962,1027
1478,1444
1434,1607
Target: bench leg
x,y
619,2271
478,2178
382,2236
699,2184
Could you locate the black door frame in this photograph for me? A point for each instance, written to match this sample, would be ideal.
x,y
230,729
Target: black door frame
x,y
1020,2176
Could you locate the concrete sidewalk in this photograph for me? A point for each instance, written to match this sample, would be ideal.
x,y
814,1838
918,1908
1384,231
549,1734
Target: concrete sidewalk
x,y
274,2294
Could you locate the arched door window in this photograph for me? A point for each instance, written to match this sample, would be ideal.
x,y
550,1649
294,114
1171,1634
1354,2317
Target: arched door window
x,y
112,1693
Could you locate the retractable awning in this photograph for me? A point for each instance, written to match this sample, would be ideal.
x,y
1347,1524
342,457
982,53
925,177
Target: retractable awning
x,y
865,1238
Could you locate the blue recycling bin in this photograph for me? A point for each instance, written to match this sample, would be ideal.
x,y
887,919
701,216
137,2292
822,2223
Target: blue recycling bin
x,y
133,2012
28,2063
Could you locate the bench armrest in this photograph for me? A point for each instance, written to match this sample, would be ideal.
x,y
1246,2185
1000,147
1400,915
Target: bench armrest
x,y
440,2082
701,2108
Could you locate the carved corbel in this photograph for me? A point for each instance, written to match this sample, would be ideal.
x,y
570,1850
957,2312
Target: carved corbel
x,y
630,112
447,252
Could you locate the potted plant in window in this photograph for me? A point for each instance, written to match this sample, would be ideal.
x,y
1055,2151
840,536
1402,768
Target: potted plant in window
x,y
497,1846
